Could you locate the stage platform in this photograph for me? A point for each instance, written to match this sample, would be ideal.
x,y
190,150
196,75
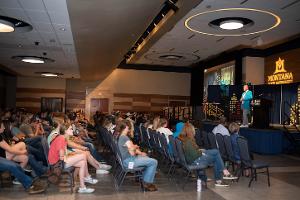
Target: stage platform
x,y
261,141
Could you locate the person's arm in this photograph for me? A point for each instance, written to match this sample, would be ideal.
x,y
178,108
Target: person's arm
x,y
6,147
76,146
61,154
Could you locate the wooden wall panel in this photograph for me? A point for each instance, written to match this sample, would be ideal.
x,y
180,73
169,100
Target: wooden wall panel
x,y
146,102
75,100
30,98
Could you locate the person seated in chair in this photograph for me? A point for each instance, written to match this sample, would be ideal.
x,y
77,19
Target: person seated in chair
x,y
14,168
221,127
208,157
132,153
58,152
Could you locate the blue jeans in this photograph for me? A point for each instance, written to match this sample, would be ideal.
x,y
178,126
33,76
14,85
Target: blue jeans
x,y
150,165
212,157
93,151
16,170
37,167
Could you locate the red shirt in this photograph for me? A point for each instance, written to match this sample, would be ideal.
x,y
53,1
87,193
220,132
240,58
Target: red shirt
x,y
58,143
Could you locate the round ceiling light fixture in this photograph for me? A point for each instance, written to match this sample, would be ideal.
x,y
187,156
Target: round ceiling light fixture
x,y
9,24
6,26
33,59
49,74
171,57
231,25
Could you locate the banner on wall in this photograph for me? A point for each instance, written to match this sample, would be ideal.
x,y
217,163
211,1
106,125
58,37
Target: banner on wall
x,y
280,75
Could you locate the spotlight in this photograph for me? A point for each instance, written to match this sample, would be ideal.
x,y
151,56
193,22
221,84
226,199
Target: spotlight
x,y
231,25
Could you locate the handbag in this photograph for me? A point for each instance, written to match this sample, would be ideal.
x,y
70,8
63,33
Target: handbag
x,y
56,171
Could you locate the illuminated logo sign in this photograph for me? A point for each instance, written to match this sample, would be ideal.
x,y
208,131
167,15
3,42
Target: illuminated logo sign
x,y
280,76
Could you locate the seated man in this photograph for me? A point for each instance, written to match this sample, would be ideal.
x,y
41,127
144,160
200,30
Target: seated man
x,y
220,128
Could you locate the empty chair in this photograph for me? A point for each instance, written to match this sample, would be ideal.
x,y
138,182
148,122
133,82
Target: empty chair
x,y
212,140
247,162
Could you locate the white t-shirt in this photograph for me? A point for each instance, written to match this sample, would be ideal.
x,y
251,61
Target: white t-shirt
x,y
165,131
220,129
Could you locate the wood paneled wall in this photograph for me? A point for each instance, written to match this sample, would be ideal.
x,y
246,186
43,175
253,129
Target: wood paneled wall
x,y
75,100
147,102
30,98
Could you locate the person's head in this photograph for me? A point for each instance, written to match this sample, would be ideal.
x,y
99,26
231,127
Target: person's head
x,y
129,123
155,123
66,129
233,128
223,120
2,128
163,122
122,128
246,87
7,125
188,131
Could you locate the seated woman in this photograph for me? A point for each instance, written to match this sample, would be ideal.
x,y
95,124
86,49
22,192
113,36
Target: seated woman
x,y
131,153
58,152
18,151
197,156
162,128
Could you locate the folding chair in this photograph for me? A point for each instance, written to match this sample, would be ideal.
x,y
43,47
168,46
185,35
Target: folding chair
x,y
248,163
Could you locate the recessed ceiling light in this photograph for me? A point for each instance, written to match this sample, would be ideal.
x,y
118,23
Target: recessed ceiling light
x,y
49,75
6,26
231,25
62,29
171,57
33,60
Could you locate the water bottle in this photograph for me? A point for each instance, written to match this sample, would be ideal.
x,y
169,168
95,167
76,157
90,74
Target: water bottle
x,y
199,185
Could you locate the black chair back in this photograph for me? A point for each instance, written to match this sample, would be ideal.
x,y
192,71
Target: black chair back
x,y
180,151
228,146
244,151
212,140
221,145
205,140
198,138
174,149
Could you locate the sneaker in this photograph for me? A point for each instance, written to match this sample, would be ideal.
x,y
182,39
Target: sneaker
x,y
16,182
90,180
104,166
221,184
35,189
229,177
85,190
102,171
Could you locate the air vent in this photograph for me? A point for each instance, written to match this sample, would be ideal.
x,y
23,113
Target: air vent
x,y
290,4
219,40
245,1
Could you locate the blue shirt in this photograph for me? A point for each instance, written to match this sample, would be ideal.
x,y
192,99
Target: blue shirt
x,y
247,98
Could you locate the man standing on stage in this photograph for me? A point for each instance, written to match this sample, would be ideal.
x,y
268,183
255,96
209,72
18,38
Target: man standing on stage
x,y
246,101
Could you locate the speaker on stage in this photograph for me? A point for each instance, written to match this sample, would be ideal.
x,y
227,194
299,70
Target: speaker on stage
x,y
261,113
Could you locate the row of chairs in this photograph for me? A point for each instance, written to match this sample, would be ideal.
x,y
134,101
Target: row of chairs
x,y
223,143
120,172
173,152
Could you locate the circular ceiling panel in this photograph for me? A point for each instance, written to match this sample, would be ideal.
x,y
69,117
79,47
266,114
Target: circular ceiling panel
x,y
172,56
262,21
